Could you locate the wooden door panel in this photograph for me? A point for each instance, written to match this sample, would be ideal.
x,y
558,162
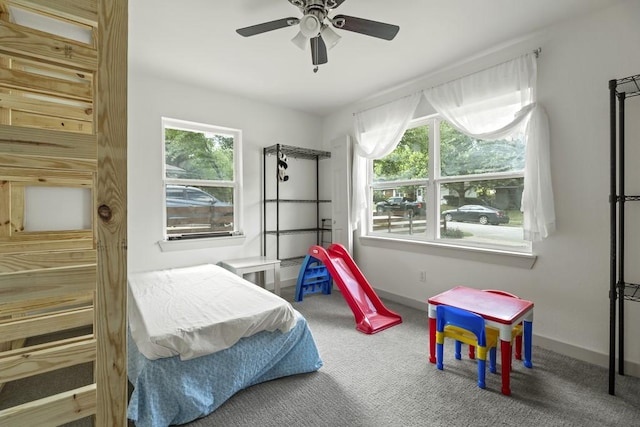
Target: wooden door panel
x,y
55,132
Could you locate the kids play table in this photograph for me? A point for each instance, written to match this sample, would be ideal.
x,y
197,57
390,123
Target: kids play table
x,y
499,311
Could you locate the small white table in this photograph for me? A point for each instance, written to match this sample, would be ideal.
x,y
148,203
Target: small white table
x,y
242,266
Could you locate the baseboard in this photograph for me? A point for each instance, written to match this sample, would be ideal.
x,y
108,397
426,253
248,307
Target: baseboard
x,y
580,353
418,305
586,355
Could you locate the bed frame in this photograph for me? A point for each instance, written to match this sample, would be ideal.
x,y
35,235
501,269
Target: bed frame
x,y
63,123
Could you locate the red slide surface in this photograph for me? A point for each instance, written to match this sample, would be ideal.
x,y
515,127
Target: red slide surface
x,y
370,313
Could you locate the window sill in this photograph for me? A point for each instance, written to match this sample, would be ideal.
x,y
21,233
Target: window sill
x,y
492,256
201,243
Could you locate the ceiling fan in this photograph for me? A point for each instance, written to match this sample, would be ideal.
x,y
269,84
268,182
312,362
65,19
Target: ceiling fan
x,y
314,27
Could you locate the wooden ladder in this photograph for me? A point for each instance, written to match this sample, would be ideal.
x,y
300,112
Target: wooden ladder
x,y
63,75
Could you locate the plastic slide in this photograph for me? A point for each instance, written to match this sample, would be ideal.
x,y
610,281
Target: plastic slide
x,y
370,313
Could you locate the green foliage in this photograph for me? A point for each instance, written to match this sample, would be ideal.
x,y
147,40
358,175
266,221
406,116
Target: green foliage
x,y
516,218
199,156
409,160
378,196
463,155
451,233
460,155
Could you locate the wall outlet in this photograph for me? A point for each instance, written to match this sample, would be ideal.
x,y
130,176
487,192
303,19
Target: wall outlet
x,y
423,276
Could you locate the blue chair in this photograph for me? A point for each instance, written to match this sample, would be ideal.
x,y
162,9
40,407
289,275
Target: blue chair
x,y
469,328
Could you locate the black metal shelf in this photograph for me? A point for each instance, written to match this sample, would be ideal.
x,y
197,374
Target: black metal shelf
x,y
292,153
297,152
629,86
619,290
631,292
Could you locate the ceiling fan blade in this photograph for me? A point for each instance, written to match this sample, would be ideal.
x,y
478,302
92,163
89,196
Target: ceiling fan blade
x,y
365,26
318,51
267,26
334,4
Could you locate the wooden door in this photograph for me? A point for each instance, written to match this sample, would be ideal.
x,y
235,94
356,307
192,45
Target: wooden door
x,y
63,71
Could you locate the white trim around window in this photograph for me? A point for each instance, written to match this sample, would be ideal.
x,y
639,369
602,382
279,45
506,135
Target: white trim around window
x,y
416,227
202,185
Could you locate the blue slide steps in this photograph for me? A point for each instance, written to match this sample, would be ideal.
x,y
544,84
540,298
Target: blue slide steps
x,y
313,278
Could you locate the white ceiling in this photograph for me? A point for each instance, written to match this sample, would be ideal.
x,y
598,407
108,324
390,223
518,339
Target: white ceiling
x,y
195,41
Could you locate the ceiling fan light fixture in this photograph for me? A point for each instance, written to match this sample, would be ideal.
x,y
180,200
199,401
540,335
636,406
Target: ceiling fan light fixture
x,y
300,40
315,28
310,26
330,37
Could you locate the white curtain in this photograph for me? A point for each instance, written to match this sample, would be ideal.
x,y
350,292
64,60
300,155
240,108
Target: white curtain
x,y
377,132
537,199
495,103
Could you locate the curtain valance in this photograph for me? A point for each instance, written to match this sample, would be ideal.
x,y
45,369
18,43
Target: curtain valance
x,y
378,131
490,104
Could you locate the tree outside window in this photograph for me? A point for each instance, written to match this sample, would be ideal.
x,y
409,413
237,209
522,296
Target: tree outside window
x,y
201,179
438,166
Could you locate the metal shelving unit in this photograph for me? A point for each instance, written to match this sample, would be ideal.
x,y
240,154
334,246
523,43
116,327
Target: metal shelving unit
x,y
620,290
292,153
327,229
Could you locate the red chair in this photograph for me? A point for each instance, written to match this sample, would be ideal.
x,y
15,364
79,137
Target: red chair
x,y
516,332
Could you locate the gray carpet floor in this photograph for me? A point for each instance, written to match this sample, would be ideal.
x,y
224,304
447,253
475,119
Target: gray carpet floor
x,y
385,379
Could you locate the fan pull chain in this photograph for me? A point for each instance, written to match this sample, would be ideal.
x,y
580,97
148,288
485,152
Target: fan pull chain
x,y
315,48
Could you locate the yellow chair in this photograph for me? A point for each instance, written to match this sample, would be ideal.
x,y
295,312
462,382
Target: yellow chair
x,y
469,328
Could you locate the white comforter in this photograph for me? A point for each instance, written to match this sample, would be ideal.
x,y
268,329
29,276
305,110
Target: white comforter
x,y
194,311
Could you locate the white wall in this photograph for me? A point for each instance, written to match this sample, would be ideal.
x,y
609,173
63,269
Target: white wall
x,y
151,98
569,283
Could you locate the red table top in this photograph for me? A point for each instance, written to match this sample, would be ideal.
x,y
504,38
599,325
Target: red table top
x,y
491,306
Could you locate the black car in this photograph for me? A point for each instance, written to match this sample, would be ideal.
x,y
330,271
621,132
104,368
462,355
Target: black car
x,y
477,213
400,205
182,195
202,207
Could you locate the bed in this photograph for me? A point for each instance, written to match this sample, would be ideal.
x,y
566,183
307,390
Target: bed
x,y
197,335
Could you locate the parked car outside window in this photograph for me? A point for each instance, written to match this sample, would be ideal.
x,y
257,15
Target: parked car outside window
x,y
400,205
182,195
441,167
476,213
201,180
188,205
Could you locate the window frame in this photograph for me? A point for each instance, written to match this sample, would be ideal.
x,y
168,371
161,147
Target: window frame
x,y
432,185
168,241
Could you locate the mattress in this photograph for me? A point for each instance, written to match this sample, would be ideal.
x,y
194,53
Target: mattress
x,y
195,311
171,391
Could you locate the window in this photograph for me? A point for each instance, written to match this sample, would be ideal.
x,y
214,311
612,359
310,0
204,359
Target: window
x,y
202,180
440,185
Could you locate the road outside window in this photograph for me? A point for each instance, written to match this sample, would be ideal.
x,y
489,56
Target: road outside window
x,y
441,185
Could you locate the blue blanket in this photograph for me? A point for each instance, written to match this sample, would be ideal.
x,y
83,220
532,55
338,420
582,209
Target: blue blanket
x,y
171,391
